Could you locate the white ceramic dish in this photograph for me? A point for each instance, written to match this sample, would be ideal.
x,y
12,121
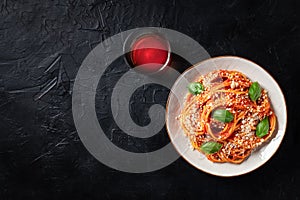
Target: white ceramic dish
x,y
175,104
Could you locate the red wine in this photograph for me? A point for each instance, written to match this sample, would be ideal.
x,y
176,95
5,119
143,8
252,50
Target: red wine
x,y
151,52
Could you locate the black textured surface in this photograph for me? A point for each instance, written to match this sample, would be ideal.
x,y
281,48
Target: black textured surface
x,y
42,44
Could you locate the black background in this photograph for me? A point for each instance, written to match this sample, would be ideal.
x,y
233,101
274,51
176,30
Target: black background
x,y
41,155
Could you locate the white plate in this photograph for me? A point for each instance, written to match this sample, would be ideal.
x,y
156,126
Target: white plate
x,y
175,104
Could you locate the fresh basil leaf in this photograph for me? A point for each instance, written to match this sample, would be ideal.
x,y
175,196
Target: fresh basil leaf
x,y
222,115
210,147
262,128
195,88
254,91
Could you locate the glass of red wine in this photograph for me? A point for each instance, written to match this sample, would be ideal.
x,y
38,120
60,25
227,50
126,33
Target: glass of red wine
x,y
148,52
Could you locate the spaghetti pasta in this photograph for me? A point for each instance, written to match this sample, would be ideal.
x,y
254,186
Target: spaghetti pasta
x,y
227,117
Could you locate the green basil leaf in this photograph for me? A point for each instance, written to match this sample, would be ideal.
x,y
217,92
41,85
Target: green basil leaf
x,y
210,147
195,88
223,115
262,128
254,91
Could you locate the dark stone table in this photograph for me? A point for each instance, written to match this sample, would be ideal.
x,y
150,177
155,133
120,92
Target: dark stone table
x,y
42,45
